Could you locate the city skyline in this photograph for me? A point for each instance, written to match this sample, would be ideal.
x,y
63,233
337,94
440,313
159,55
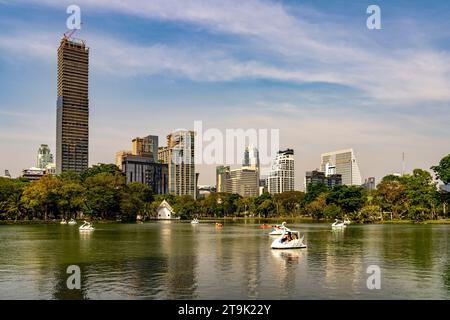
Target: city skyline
x,y
318,108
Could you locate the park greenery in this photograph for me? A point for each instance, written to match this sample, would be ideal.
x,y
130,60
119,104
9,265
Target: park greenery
x,y
101,192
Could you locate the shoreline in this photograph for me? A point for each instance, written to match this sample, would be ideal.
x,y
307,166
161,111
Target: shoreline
x,y
275,220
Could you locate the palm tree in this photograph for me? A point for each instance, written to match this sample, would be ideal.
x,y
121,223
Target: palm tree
x,y
14,205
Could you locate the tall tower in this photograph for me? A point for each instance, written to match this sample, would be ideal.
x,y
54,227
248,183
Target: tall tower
x,y
147,147
179,156
281,177
44,157
72,109
342,162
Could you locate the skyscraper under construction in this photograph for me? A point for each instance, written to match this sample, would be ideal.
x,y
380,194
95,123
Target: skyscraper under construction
x,y
72,110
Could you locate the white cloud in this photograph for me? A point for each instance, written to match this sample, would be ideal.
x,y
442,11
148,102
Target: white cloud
x,y
306,52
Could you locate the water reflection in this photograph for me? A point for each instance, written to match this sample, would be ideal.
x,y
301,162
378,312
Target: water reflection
x,y
176,260
179,246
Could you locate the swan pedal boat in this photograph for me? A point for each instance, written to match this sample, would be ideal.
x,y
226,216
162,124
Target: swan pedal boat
x,y
279,229
339,225
87,226
296,243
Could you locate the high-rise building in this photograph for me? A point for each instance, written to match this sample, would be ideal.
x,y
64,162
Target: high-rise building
x,y
251,161
72,120
139,165
163,155
179,156
342,162
223,182
144,170
281,177
315,177
369,183
251,158
146,147
244,182
7,174
44,157
262,185
119,157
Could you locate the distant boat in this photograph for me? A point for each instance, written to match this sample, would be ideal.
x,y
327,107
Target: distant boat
x,y
86,226
337,224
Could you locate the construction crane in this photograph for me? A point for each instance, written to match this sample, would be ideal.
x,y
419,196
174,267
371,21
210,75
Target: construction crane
x,y
68,35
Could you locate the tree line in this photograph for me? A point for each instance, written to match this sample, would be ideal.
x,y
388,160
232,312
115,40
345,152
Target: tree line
x,y
101,192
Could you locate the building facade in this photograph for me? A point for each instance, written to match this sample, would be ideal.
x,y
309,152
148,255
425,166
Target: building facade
x,y
315,177
72,111
119,157
281,177
179,157
145,170
244,182
223,179
147,147
141,165
369,184
7,174
342,162
33,174
44,157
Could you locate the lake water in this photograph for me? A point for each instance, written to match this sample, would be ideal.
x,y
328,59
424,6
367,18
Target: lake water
x,y
177,260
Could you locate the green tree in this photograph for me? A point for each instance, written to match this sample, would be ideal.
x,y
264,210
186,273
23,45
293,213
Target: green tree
x,y
332,211
100,168
313,191
442,170
70,197
421,194
267,208
185,207
368,214
349,198
103,194
135,198
289,202
11,191
41,197
391,196
244,205
316,207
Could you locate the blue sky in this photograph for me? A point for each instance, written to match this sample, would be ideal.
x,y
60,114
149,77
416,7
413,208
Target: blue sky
x,y
309,68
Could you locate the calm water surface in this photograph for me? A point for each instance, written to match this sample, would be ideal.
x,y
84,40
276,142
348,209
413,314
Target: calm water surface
x,y
176,260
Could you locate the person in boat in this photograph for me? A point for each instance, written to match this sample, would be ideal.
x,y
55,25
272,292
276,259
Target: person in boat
x,y
287,237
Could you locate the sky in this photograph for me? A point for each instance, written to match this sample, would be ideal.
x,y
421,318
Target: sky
x,y
311,69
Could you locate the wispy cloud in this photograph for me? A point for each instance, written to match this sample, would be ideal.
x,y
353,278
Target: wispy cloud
x,y
303,51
